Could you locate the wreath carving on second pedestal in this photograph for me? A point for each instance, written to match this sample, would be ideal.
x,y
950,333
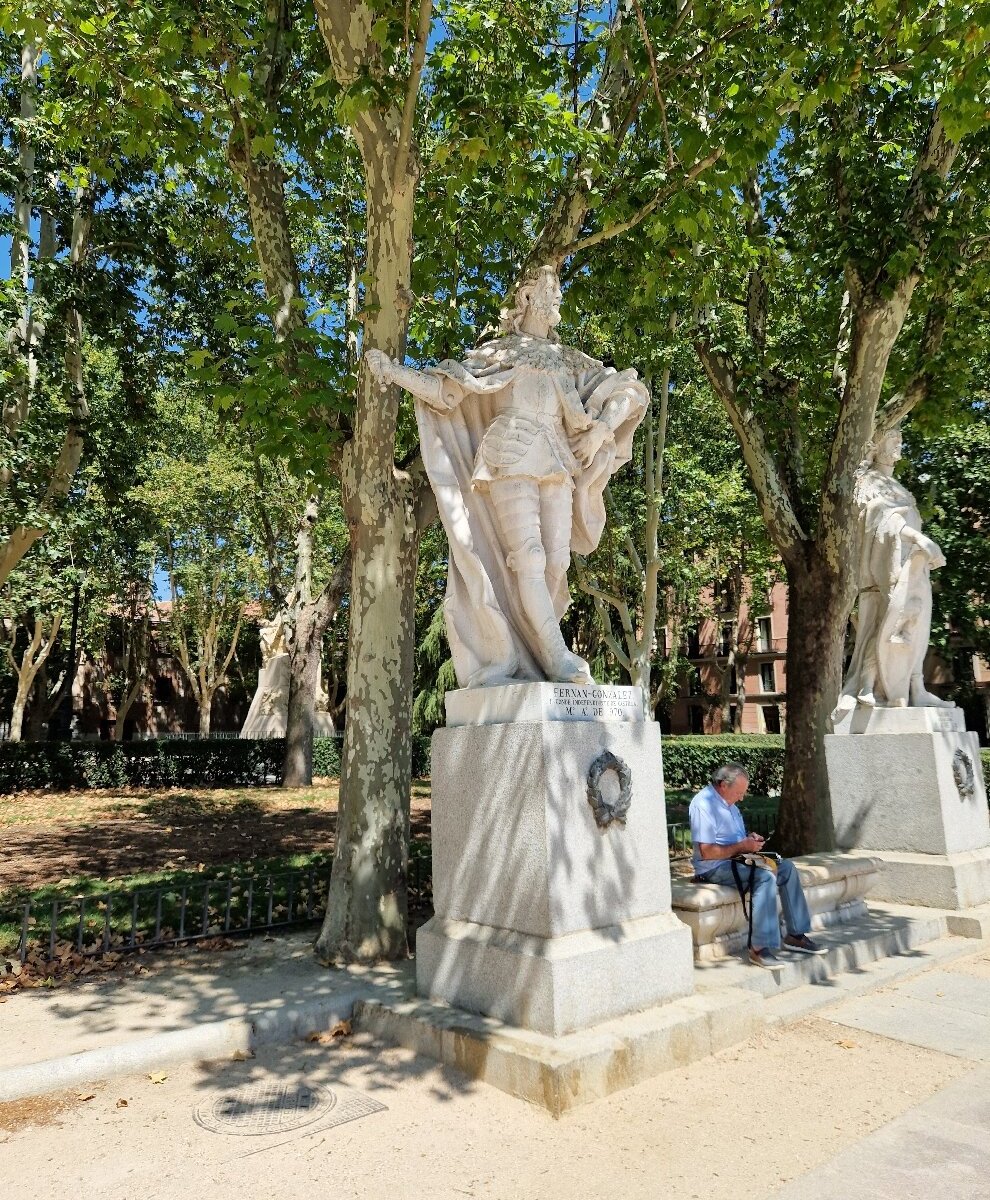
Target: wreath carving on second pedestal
x,y
963,774
608,812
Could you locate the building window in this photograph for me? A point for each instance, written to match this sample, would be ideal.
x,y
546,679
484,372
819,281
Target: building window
x,y
692,648
732,718
697,715
767,681
694,683
764,640
725,640
733,683
771,718
164,690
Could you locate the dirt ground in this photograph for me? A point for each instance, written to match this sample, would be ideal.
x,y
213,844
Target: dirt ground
x,y
741,1123
46,837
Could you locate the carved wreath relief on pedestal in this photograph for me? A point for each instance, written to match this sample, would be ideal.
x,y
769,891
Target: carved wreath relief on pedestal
x,y
607,811
963,774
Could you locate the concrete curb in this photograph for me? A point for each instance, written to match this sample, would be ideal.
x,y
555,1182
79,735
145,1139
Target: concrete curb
x,y
211,1039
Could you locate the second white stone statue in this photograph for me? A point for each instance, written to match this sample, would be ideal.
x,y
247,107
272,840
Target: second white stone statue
x,y
519,441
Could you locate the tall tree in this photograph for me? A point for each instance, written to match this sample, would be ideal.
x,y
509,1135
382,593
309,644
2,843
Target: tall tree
x,y
844,259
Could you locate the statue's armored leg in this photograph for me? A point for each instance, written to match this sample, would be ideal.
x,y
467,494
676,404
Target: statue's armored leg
x,y
556,504
517,506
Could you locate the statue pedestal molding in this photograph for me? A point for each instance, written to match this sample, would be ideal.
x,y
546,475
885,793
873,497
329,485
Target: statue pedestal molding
x,y
551,886
906,786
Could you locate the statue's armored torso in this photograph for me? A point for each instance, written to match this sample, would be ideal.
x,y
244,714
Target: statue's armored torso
x,y
529,436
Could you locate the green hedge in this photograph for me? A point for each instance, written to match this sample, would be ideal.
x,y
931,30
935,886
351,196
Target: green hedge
x,y
326,756
219,762
231,762
211,762
689,761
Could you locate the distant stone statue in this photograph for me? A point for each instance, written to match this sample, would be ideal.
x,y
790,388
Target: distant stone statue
x,y
268,714
519,441
895,592
272,635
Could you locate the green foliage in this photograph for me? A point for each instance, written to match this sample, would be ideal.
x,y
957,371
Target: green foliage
x,y
949,475
688,762
227,762
216,762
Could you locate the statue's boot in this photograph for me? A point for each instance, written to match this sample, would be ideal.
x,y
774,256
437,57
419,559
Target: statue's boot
x,y
922,698
560,664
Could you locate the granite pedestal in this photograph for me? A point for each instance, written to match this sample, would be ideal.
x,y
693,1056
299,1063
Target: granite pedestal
x,y
544,918
906,787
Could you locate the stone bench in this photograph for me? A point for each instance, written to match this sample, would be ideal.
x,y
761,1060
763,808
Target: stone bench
x,y
834,886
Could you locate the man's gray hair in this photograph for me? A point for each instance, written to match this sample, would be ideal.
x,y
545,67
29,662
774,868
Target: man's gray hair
x,y
728,773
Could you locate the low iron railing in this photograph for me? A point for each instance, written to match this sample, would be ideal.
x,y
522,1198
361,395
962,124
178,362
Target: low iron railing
x,y
171,914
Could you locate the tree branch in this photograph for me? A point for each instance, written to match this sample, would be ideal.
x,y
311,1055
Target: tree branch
x,y
772,493
412,88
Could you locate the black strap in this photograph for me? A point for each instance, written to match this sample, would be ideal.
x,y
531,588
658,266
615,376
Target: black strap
x,y
745,891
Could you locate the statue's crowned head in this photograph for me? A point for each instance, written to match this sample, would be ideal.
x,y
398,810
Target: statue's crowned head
x,y
538,296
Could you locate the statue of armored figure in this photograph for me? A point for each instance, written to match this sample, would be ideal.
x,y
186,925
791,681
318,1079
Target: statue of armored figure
x,y
519,441
895,561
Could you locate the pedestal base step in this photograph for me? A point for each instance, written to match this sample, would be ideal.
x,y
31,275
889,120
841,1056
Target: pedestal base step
x,y
884,933
561,1073
954,881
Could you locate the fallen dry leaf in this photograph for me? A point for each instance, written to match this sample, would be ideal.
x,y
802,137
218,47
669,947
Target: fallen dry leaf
x,y
325,1037
86,1095
121,1103
242,1055
157,1077
848,1045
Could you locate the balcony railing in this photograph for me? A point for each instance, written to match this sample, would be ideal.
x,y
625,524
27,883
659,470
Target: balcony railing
x,y
719,649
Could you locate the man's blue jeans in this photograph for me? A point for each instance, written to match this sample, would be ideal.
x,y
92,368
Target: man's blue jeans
x,y
766,924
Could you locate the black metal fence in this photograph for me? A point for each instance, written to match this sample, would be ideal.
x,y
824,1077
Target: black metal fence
x,y
174,914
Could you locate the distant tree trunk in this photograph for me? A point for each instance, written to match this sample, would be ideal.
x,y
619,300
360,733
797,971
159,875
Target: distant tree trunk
x,y
309,622
32,660
205,702
63,470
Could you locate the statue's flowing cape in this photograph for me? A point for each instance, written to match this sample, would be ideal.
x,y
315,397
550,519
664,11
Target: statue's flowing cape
x,y
894,599
490,636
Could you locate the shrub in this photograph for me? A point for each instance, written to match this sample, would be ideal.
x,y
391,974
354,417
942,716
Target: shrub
x,y
210,762
219,762
689,761
327,750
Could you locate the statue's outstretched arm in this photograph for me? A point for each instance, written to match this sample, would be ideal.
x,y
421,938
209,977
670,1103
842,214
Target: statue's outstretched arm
x,y
424,387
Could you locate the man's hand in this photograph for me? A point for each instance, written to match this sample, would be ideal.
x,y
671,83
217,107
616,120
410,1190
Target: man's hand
x,y
380,365
752,844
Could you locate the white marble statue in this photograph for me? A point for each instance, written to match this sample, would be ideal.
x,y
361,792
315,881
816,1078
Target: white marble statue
x,y
519,441
895,591
268,714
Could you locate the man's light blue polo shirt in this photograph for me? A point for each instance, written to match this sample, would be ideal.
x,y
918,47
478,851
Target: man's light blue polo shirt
x,y
716,824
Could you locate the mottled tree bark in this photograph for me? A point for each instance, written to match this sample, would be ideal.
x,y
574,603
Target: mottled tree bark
x,y
366,913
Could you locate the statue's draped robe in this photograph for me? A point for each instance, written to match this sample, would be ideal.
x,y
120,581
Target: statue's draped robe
x,y
895,593
491,639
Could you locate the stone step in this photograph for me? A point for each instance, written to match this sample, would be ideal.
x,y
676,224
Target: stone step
x,y
890,933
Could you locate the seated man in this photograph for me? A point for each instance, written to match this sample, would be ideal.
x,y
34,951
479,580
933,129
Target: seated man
x,y
719,832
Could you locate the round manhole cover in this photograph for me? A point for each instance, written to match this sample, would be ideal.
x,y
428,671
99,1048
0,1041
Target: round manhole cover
x,y
265,1107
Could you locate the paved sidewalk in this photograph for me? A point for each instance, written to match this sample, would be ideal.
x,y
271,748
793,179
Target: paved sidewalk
x,y
887,1109
198,1005
939,1148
